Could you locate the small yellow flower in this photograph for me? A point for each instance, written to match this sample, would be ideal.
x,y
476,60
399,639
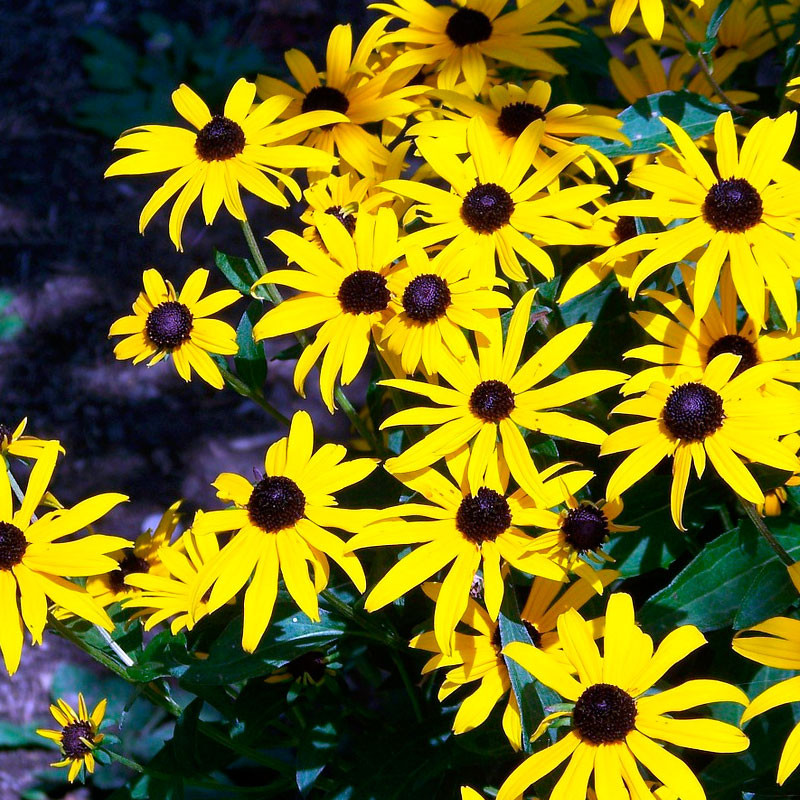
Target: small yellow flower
x,y
165,323
79,735
13,442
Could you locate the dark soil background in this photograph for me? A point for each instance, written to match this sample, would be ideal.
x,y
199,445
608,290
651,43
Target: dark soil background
x,y
72,258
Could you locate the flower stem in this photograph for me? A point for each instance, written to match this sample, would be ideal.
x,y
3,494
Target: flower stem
x,y
244,390
762,528
363,429
120,653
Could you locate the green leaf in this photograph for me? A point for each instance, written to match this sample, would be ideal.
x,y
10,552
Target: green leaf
x,y
712,590
13,735
250,361
532,696
716,20
240,272
641,123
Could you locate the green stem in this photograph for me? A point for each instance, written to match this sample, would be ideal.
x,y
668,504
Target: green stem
x,y
771,22
240,387
363,429
389,638
761,527
15,487
255,251
409,686
127,762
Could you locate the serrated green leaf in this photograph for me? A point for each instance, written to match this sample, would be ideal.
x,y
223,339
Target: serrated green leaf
x,y
641,124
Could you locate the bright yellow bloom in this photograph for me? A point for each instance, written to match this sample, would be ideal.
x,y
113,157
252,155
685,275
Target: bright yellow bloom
x,y
779,646
738,212
343,286
687,344
476,655
457,39
494,395
165,323
509,112
794,92
348,89
282,523
144,557
613,723
13,442
238,148
170,592
79,734
432,300
491,206
717,416
34,566
473,523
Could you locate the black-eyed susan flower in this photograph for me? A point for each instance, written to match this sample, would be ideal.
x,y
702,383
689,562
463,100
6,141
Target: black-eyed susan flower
x,y
79,735
282,522
34,567
495,395
343,287
508,113
347,87
457,38
143,557
775,643
432,301
170,592
688,343
737,211
652,12
239,147
474,523
717,416
476,654
491,206
14,442
574,536
165,323
613,723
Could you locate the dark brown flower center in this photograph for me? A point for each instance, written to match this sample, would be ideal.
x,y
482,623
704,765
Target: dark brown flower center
x,y
468,26
693,411
737,345
604,714
347,219
13,545
732,205
6,435
515,117
310,665
483,516
220,139
487,207
625,229
326,98
168,325
491,401
426,298
585,528
363,292
276,502
496,641
71,736
533,632
130,564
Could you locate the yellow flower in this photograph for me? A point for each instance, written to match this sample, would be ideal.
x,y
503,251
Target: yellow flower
x,y
652,15
738,212
474,522
457,39
170,592
79,734
779,646
476,655
794,92
13,442
34,566
282,523
344,287
241,147
717,416
494,395
688,344
349,89
613,723
432,300
509,112
491,206
144,557
165,323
